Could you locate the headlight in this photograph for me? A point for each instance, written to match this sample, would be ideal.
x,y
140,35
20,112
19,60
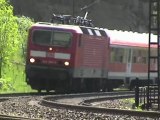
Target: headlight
x,y
32,60
66,63
50,49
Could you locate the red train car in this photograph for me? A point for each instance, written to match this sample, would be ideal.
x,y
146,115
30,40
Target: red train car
x,y
67,57
129,57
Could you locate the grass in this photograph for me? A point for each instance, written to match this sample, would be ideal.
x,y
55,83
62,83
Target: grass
x,y
130,104
14,79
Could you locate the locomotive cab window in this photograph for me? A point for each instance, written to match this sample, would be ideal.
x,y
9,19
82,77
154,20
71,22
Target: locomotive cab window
x,y
55,38
61,38
42,37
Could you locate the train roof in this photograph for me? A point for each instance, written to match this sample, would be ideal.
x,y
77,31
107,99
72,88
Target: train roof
x,y
76,28
119,38
51,25
128,38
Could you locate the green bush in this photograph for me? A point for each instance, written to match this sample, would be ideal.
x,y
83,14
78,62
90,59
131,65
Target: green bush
x,y
13,37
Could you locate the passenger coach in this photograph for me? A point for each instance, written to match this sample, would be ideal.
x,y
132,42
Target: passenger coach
x,y
129,58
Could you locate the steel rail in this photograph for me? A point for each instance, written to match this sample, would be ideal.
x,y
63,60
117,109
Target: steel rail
x,y
52,101
4,95
8,117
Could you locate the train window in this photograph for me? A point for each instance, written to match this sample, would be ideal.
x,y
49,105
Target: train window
x,y
48,37
144,60
117,55
134,59
140,56
42,37
61,38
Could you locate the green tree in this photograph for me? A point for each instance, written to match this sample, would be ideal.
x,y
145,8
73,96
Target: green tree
x,y
8,32
13,38
24,24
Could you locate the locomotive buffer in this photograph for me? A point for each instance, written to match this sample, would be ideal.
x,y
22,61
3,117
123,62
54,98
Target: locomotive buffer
x,y
154,27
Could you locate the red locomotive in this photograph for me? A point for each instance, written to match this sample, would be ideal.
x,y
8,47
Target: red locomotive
x,y
67,57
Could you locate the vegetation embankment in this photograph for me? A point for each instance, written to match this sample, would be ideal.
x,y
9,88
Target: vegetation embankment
x,y
13,37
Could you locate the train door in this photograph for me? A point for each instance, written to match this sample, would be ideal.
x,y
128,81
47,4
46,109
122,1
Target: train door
x,y
129,61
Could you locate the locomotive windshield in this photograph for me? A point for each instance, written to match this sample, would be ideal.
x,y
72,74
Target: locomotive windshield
x,y
55,38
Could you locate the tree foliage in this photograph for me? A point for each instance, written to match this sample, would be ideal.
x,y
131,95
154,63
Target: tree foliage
x,y
13,36
8,31
23,25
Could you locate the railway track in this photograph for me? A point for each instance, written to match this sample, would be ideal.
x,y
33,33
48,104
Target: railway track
x,y
70,106
84,103
7,117
26,94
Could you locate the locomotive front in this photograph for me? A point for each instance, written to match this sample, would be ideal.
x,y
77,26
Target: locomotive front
x,y
49,56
